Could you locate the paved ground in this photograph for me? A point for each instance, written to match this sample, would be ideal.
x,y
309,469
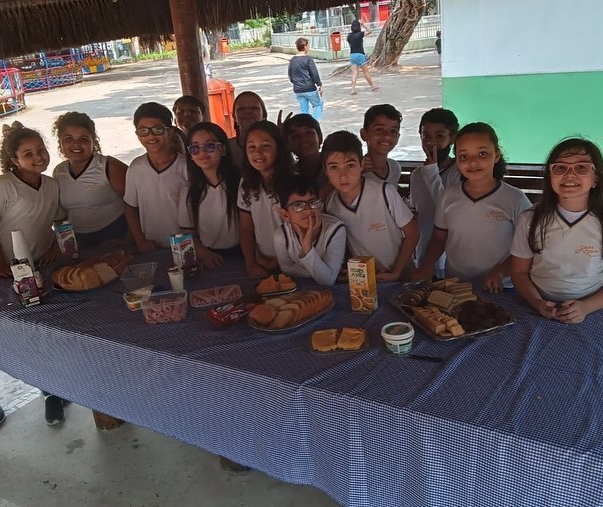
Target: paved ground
x,y
110,99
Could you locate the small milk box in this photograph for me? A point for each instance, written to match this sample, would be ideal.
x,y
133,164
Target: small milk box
x,y
183,250
66,240
363,284
25,283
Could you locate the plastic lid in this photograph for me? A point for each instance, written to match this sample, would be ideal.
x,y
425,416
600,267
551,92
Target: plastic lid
x,y
397,331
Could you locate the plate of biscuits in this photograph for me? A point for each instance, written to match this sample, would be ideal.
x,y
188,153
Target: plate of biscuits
x,y
335,341
449,309
91,273
290,311
275,285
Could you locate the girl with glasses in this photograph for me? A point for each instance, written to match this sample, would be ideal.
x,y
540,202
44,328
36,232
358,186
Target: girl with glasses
x,y
267,163
91,184
557,250
208,209
309,244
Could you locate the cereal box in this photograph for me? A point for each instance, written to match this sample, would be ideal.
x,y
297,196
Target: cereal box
x,y
66,240
183,250
363,284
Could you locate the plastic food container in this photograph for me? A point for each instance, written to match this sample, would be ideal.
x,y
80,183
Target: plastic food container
x,y
215,296
398,337
136,276
134,299
167,306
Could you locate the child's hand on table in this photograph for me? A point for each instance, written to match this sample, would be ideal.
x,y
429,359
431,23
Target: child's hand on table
x,y
146,245
572,311
210,259
493,282
387,276
547,309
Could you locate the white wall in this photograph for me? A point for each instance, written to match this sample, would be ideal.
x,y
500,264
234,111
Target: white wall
x,y
500,37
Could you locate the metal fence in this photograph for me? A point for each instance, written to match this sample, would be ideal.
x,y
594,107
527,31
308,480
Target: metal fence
x,y
320,38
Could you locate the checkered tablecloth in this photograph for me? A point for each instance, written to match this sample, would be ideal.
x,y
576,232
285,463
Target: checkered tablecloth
x,y
510,419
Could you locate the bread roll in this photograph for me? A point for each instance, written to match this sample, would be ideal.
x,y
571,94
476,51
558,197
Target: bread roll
x,y
105,272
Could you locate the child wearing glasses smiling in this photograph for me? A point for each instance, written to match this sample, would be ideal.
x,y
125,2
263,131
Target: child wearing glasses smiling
x,y
154,180
308,243
557,250
209,208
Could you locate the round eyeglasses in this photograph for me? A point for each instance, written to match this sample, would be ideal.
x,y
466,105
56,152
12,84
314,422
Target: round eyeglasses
x,y
145,131
299,206
195,149
579,168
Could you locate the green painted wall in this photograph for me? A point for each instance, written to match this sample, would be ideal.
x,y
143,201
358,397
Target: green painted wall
x,y
530,113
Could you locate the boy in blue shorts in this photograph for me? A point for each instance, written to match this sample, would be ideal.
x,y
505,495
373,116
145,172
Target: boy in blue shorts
x,y
377,221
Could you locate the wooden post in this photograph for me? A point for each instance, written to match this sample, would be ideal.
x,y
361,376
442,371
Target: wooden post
x,y
188,46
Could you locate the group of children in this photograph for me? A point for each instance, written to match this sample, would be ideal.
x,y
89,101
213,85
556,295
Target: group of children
x,y
287,200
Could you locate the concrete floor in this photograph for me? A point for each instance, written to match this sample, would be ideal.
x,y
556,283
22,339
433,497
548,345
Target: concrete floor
x,y
73,464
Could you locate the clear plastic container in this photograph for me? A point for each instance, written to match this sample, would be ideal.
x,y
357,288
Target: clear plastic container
x,y
163,307
136,276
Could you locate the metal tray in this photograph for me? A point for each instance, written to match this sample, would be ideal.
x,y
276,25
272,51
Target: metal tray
x,y
296,325
396,302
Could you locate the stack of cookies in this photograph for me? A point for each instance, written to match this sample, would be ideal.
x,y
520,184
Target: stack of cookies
x,y
437,322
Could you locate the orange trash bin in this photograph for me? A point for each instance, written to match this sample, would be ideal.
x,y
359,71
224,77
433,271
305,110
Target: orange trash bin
x,y
220,95
336,41
224,45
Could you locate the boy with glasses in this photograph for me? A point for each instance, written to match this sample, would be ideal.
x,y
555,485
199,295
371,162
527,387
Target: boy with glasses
x,y
308,244
154,180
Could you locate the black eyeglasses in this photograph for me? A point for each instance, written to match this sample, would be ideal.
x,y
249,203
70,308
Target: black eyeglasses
x,y
145,131
299,206
195,149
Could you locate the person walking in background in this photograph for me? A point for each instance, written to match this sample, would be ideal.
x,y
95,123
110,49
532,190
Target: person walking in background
x,y
438,46
357,56
306,81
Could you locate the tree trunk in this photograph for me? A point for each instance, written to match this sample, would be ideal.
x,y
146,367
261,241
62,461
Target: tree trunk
x,y
403,18
213,37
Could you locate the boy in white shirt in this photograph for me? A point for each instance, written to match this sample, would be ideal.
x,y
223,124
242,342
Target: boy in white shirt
x,y
377,221
308,243
154,180
381,132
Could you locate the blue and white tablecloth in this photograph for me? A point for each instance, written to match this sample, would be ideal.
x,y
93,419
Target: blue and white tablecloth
x,y
514,418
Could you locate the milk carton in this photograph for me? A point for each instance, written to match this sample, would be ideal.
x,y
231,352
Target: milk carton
x,y
66,240
25,283
183,250
363,284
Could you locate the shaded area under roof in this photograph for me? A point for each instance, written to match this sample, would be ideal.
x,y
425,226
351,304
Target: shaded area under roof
x,y
27,26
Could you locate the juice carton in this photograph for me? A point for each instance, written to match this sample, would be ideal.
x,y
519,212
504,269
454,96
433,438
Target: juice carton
x,y
363,284
66,239
25,283
183,250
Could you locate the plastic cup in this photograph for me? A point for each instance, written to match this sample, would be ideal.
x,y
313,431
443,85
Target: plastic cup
x,y
176,275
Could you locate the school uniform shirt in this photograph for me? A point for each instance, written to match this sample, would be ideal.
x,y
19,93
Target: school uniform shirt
x,y
156,195
30,210
263,210
373,222
89,200
322,262
427,183
393,173
570,266
480,231
215,230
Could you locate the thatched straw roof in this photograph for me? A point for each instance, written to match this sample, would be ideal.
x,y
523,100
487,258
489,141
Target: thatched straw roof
x,y
32,25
